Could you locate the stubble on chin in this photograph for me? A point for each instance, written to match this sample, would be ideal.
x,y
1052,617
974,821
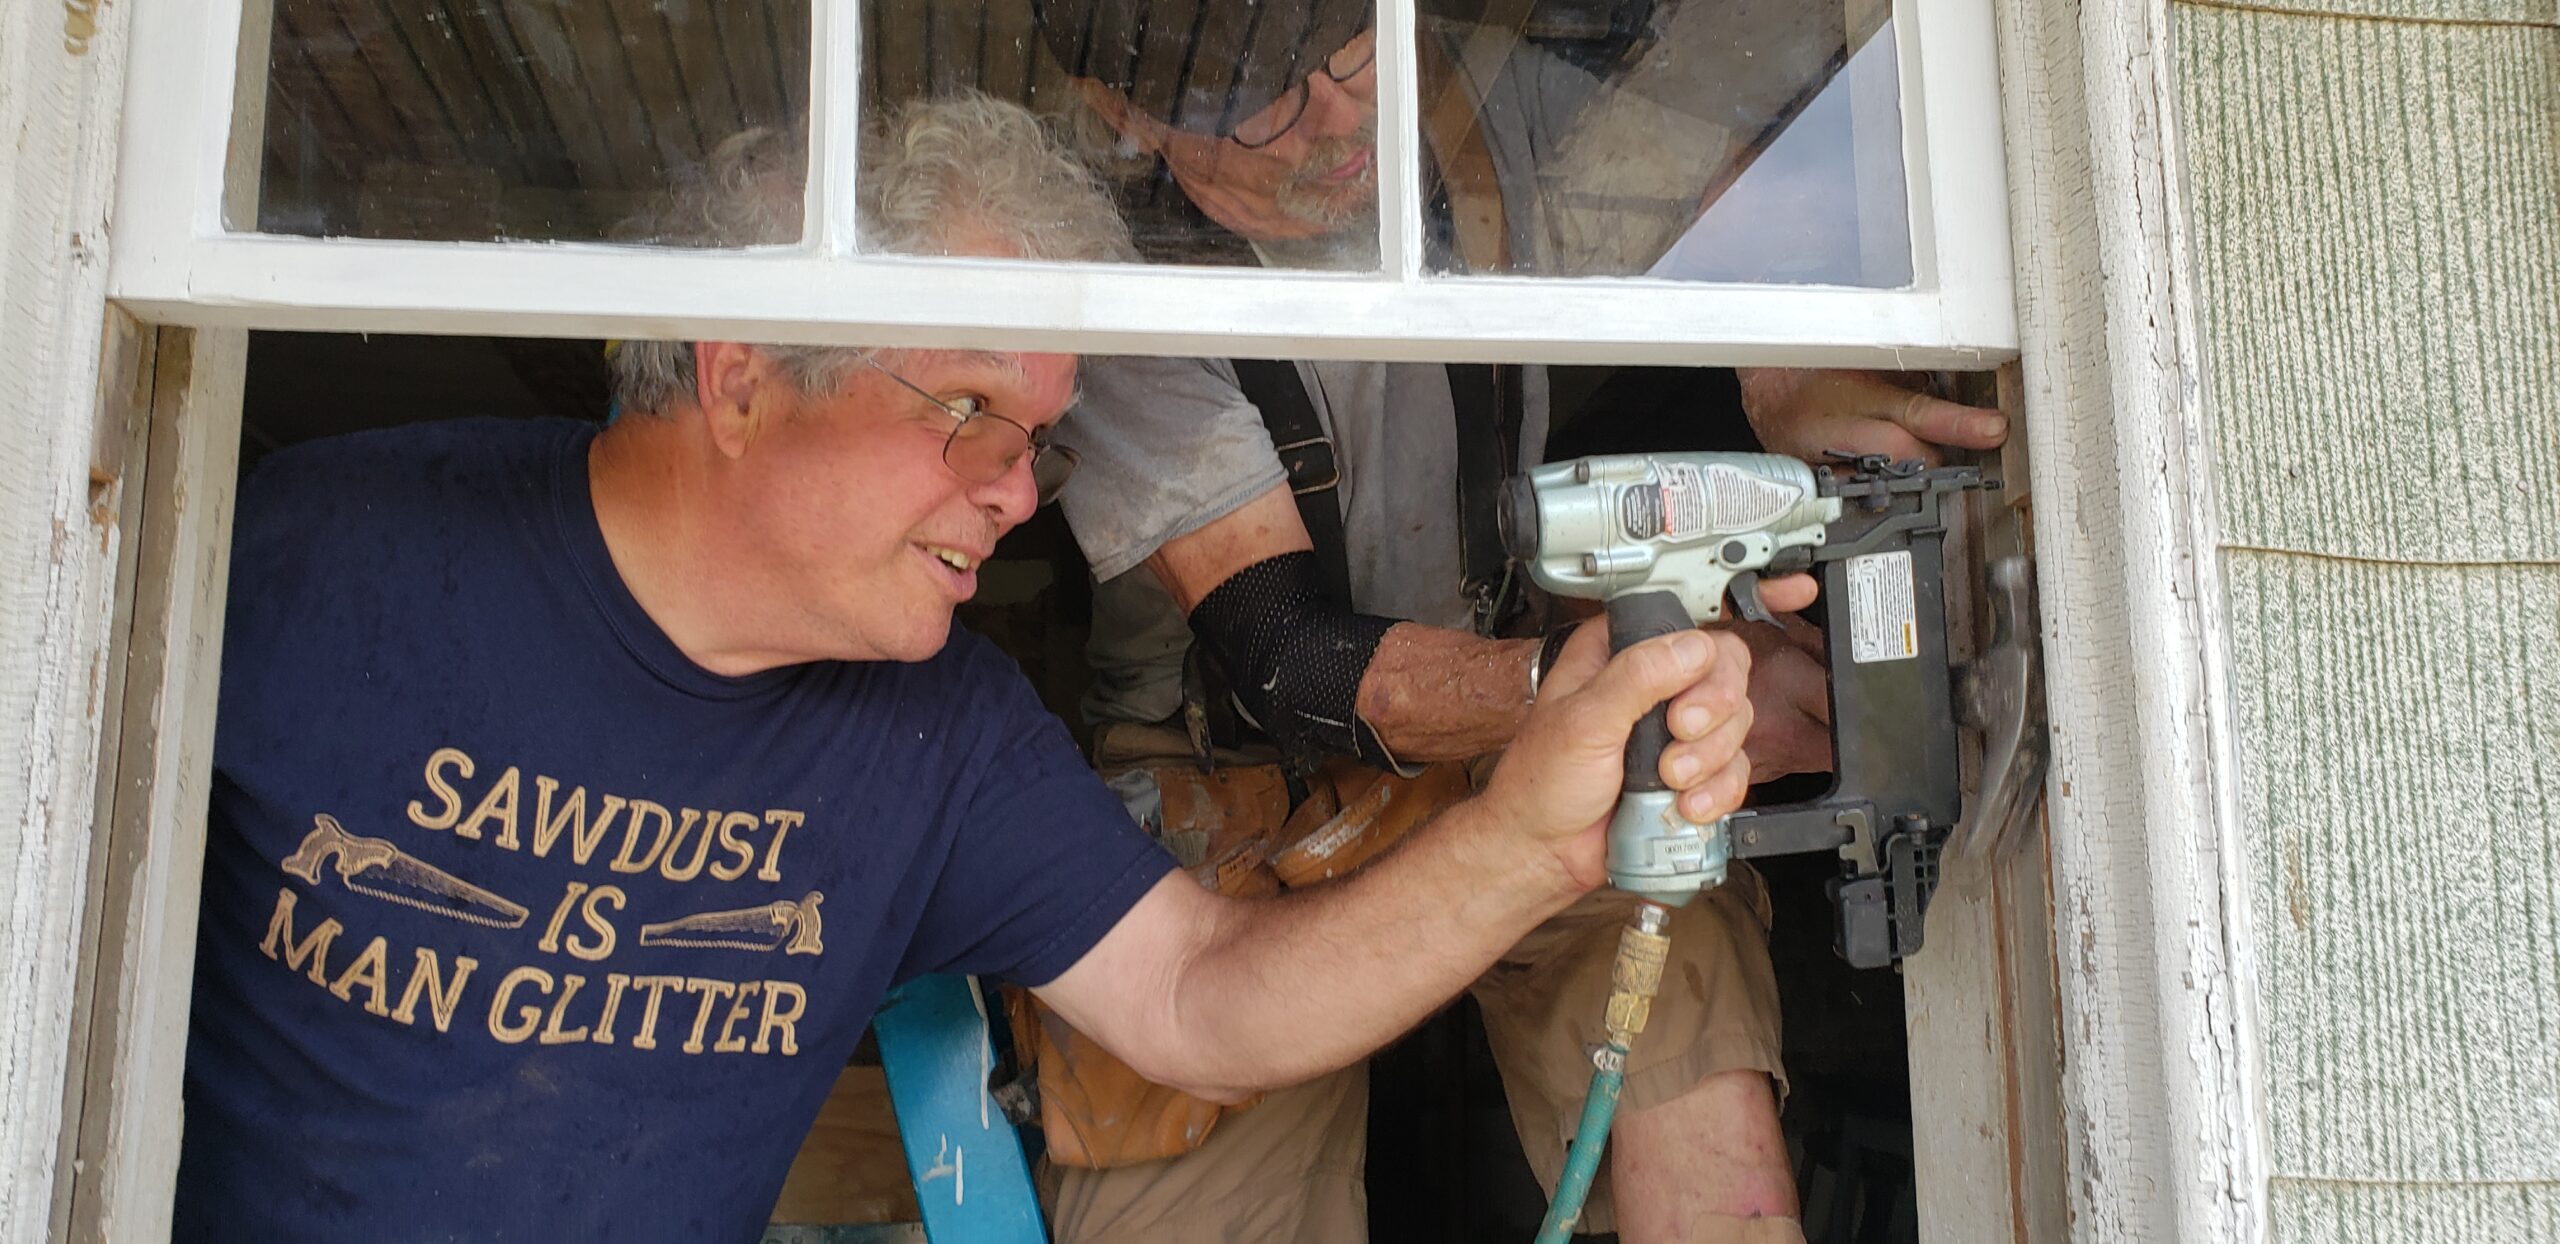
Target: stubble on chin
x,y
1310,197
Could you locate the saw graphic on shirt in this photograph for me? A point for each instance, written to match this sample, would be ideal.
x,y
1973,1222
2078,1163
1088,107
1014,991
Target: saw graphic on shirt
x,y
750,928
530,1002
374,867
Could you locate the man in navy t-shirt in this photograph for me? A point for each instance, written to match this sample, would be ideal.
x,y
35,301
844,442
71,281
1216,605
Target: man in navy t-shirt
x,y
578,794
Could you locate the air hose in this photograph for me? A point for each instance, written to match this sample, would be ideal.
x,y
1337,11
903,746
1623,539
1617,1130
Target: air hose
x,y
1633,980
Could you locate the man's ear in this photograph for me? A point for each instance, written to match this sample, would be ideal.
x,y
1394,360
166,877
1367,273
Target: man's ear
x,y
1140,131
730,381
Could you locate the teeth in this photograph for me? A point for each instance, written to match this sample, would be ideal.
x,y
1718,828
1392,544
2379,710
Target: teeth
x,y
953,558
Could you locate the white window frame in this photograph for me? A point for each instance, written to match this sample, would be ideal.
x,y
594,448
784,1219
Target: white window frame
x,y
2162,1114
176,263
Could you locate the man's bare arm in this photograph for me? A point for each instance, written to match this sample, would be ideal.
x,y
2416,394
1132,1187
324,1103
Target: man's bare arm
x,y
1430,693
1222,996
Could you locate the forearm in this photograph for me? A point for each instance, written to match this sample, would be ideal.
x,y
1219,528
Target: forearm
x,y
1287,989
1221,996
1432,693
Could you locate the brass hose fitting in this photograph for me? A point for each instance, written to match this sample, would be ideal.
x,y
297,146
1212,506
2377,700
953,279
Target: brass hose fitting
x,y
1637,974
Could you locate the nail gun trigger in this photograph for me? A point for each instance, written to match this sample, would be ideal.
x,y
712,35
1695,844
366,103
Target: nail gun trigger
x,y
1745,588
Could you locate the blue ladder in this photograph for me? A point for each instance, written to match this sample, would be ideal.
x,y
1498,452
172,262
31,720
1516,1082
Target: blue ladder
x,y
971,1180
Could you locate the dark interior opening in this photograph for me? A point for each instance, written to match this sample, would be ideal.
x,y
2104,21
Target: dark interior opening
x,y
1444,1164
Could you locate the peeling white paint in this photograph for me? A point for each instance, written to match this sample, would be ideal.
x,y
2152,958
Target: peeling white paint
x,y
2158,1087
60,106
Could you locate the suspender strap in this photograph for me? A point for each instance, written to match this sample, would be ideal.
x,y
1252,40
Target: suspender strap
x,y
1490,411
1306,453
1490,408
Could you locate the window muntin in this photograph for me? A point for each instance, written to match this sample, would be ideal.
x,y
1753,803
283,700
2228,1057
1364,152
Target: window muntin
x,y
1683,139
201,91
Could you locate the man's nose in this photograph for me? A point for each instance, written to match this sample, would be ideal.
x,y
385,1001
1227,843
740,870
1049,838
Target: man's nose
x,y
1010,497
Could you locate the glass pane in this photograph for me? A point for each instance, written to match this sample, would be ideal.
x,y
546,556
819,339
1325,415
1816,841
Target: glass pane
x,y
1235,132
560,120
1712,140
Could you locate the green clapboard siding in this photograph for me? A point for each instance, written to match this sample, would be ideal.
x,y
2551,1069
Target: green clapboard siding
x,y
2375,224
2432,12
2348,1214
2400,792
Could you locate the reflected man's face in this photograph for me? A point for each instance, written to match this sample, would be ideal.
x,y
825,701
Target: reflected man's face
x,y
1313,177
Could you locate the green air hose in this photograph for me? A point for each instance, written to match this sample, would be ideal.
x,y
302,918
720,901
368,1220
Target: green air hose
x,y
1634,978
1582,1161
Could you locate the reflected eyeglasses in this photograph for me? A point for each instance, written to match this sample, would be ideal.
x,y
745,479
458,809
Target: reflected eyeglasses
x,y
1283,114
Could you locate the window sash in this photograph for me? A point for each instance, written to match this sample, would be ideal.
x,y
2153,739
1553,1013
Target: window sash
x,y
175,262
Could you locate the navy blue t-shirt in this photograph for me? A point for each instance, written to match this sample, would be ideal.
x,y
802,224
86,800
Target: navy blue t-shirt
x,y
518,924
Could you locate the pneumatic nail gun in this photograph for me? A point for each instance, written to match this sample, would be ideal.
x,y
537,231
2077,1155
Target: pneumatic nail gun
x,y
1664,539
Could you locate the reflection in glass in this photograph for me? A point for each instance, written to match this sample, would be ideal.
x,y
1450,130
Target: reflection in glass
x,y
1724,140
542,119
1233,131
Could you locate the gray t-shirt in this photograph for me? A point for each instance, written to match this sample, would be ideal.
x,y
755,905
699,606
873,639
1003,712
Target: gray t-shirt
x,y
1171,445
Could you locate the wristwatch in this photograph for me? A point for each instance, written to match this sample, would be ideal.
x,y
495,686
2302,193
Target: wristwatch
x,y
1548,648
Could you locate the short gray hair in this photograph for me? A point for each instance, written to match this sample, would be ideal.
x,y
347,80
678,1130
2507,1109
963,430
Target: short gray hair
x,y
937,176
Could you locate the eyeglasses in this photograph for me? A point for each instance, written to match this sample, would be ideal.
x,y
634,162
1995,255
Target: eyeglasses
x,y
1276,120
984,446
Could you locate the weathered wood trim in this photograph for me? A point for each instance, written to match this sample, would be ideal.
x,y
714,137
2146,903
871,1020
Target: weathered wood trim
x,y
2161,1100
1981,1001
124,411
62,77
127,1142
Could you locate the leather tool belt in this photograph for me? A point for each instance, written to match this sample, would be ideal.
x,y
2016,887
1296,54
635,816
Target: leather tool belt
x,y
1235,829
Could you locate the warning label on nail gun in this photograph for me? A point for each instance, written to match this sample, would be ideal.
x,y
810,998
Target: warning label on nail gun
x,y
1884,621
1674,506
1685,500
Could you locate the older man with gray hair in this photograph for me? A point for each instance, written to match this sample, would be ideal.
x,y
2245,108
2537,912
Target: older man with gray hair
x,y
578,793
1295,579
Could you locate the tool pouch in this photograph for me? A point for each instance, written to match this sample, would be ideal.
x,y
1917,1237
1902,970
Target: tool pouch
x,y
1234,830
1094,1110
1353,813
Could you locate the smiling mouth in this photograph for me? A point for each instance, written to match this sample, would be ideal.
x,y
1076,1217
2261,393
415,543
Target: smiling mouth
x,y
952,557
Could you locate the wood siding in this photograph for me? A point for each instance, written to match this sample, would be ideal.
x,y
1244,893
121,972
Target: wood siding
x,y
2376,237
65,476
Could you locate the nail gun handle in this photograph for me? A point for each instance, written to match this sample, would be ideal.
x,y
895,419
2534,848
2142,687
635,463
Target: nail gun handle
x,y
1634,619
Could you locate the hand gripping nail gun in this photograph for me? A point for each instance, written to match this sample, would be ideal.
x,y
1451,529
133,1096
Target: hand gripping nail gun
x,y
1664,538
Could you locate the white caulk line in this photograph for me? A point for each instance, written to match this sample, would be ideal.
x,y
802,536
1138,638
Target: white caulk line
x,y
955,1167
986,1051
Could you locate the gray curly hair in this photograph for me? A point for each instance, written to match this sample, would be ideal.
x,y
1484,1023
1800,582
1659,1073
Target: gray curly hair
x,y
936,174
